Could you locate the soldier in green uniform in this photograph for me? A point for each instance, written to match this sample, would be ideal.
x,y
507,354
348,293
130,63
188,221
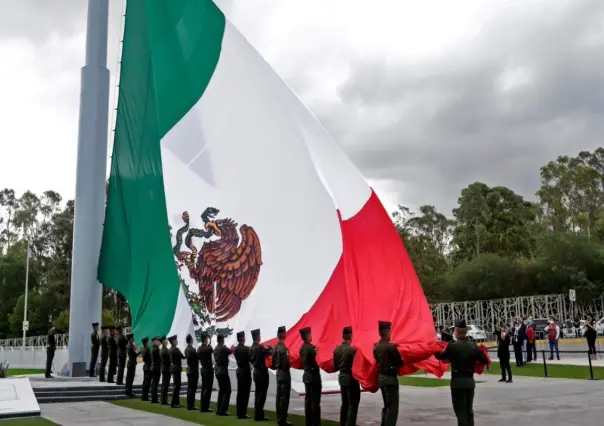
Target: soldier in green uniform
x,y
176,357
205,353
133,353
51,347
311,379
192,372
389,362
104,352
244,376
112,354
122,352
221,356
258,360
463,355
350,390
95,343
146,354
280,362
155,369
166,364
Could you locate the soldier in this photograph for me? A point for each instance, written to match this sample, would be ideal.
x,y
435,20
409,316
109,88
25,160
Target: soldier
x,y
51,347
112,354
389,362
133,353
122,351
258,360
350,390
176,358
280,362
104,352
192,372
221,356
311,379
165,370
155,369
244,376
146,353
204,353
463,355
94,350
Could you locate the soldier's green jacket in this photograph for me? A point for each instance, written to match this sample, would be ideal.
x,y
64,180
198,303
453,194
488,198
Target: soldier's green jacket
x,y
343,357
280,361
258,356
155,359
204,353
176,358
166,363
122,345
51,342
389,362
132,355
221,356
146,354
242,356
462,354
104,346
312,372
95,340
112,347
192,359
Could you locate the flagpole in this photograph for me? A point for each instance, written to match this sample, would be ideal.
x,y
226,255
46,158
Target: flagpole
x,y
91,173
26,292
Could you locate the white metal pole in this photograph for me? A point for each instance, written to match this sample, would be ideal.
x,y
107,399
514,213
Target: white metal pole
x,y
26,291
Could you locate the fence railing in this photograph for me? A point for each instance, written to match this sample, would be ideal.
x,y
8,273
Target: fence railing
x,y
39,341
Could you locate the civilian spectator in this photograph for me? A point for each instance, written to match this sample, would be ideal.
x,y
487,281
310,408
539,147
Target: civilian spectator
x,y
553,335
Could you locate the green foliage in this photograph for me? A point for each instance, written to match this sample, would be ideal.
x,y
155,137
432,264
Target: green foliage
x,y
62,322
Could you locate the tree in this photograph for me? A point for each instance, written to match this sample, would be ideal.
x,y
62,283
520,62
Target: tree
x,y
62,322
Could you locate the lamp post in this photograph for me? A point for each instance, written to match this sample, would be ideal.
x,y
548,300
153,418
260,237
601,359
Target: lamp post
x,y
25,324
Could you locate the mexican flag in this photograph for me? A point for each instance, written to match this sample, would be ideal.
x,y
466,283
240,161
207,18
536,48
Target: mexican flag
x,y
222,178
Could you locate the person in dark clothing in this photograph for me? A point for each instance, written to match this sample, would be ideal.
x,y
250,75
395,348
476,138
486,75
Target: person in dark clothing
x,y
155,369
104,352
517,344
166,364
244,376
445,336
176,357
591,334
95,343
192,372
522,338
205,354
258,360
389,362
133,353
503,353
463,355
51,347
112,354
146,354
350,390
221,356
122,352
280,362
311,379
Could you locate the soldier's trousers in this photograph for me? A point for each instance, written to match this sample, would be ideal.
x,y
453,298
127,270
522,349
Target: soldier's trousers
x,y
155,377
121,366
207,381
390,410
176,379
94,355
102,368
130,379
111,370
146,385
224,393
165,385
284,387
244,386
50,355
312,403
463,405
351,396
192,379
261,384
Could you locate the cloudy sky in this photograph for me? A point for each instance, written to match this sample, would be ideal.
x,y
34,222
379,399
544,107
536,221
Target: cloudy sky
x,y
426,97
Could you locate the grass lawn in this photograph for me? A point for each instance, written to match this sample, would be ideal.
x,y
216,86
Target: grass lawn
x,y
27,422
556,371
22,371
425,382
207,419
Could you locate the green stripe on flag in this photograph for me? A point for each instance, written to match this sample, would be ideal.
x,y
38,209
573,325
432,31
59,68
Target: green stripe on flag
x,y
170,51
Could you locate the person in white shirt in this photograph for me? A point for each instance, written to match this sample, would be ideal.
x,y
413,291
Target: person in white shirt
x,y
553,335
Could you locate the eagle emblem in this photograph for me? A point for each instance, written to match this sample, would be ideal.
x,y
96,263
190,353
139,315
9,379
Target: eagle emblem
x,y
227,267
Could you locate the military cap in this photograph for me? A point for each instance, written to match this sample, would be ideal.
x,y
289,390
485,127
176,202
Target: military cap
x,y
118,328
129,335
104,327
205,335
95,324
145,340
460,324
220,337
281,330
240,335
347,330
162,338
255,333
189,338
304,332
112,327
171,338
384,325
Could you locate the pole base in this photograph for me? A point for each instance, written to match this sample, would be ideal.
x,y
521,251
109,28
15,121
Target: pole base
x,y
78,369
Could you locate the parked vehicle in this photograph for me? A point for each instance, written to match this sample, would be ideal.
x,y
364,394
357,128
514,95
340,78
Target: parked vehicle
x,y
475,333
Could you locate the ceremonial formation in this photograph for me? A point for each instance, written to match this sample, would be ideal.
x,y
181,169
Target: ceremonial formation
x,y
163,363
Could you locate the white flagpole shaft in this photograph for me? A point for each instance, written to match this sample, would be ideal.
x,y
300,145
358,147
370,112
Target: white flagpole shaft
x,y
26,292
